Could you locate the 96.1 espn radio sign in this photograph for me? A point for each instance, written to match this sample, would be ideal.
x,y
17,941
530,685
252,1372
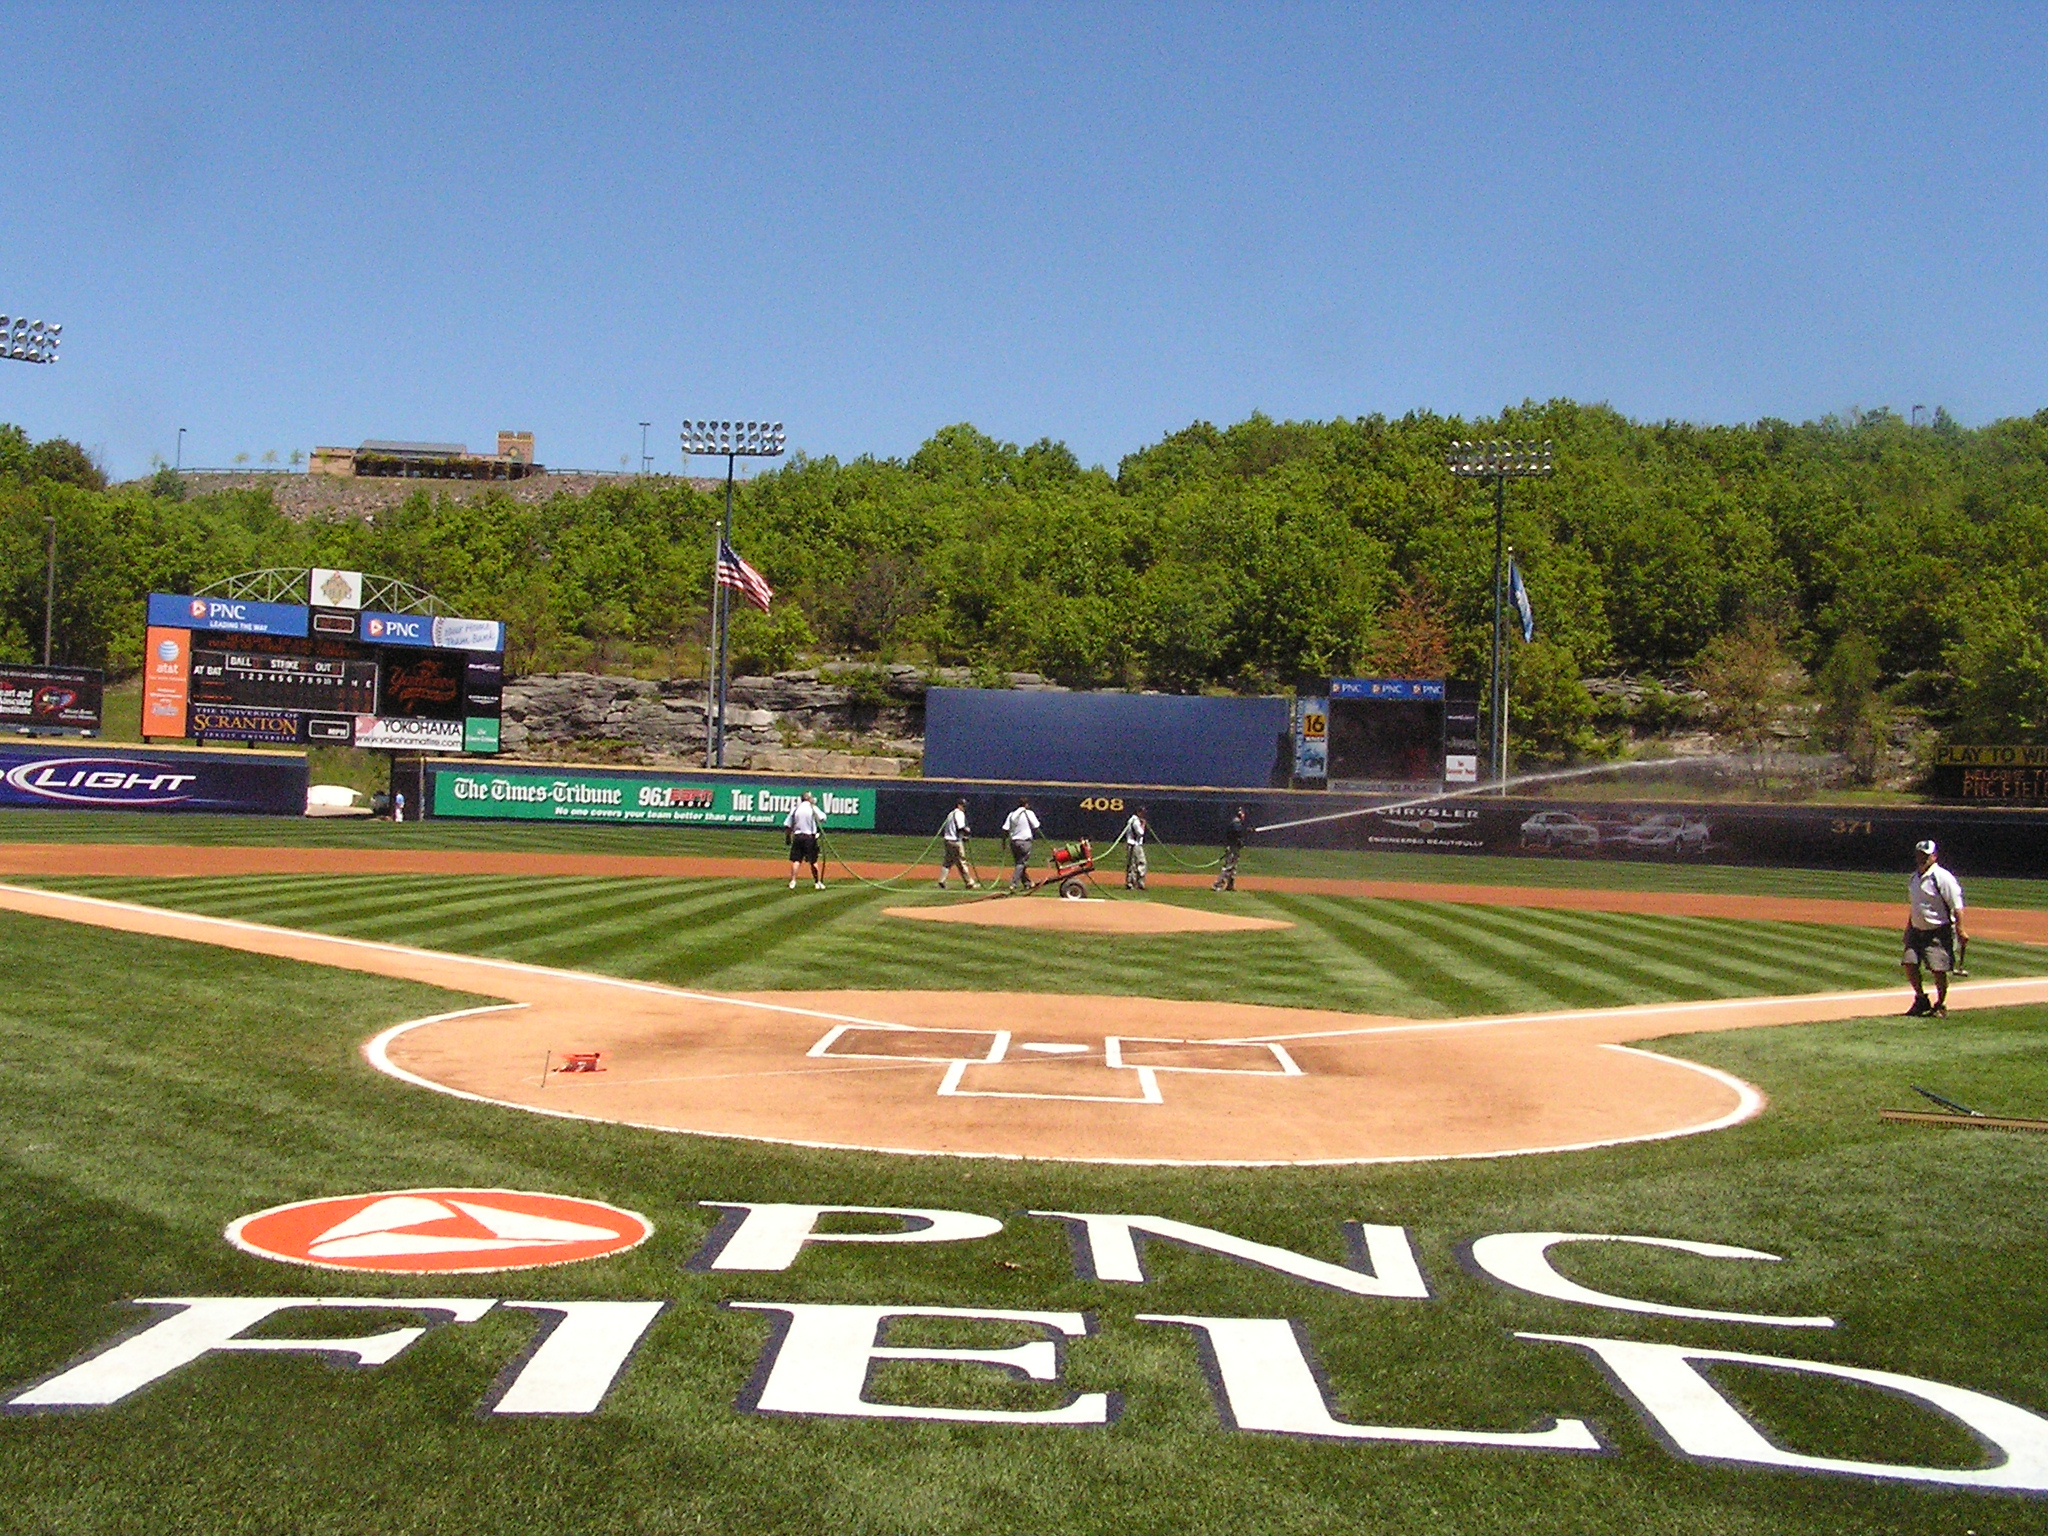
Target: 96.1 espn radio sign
x,y
514,796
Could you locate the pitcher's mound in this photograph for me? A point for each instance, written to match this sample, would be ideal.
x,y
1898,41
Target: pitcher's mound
x,y
1085,916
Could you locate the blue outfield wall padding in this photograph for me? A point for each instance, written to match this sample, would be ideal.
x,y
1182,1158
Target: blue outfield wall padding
x,y
1105,738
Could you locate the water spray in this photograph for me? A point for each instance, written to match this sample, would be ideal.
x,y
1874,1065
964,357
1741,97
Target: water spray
x,y
1554,776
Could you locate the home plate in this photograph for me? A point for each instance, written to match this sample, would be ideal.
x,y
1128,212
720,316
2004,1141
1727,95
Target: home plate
x,y
1135,916
1053,1048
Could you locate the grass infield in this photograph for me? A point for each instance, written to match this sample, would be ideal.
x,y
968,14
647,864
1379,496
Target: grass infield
x,y
154,1091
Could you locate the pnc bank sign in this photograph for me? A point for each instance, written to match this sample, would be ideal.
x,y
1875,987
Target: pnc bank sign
x,y
819,1356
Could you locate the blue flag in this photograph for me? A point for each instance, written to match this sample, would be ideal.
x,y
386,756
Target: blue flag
x,y
1519,595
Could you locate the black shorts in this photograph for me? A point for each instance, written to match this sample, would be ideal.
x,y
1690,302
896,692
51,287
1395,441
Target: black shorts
x,y
803,847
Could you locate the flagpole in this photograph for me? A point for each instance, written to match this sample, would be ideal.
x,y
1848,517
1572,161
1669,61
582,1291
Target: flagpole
x,y
724,610
1507,659
736,440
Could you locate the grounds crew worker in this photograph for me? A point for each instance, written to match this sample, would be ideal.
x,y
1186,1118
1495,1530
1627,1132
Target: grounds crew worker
x,y
803,824
953,833
1020,826
1934,929
1233,848
1135,831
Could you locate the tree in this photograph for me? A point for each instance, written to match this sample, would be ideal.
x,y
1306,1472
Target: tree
x,y
1550,713
1413,638
63,461
1852,718
2000,666
1748,678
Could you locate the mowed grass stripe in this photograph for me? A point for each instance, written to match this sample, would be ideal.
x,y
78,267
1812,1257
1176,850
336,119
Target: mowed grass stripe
x,y
1425,971
1631,955
1495,958
1730,958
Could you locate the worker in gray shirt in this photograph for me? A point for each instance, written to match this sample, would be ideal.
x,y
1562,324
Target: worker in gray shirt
x,y
1020,827
1135,831
1934,929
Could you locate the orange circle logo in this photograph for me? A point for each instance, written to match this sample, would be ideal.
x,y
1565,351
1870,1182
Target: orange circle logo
x,y
439,1231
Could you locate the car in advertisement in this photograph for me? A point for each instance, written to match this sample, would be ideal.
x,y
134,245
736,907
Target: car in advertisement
x,y
1655,834
1559,829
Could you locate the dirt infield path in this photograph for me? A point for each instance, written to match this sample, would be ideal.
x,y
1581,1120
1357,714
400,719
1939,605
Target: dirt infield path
x,y
169,861
1080,1078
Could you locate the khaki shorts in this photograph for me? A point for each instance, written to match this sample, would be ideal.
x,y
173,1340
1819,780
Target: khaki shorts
x,y
1930,947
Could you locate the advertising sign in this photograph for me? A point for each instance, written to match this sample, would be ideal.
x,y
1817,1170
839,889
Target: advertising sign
x,y
400,733
60,700
112,780
230,722
335,589
441,634
524,795
229,615
166,681
2008,772
480,733
1386,688
469,634
1312,739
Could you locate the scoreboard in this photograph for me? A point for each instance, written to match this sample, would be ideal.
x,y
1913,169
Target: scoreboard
x,y
220,669
1386,735
245,680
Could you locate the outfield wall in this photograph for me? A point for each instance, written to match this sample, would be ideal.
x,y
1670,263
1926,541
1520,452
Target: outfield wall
x,y
81,776
1981,841
980,734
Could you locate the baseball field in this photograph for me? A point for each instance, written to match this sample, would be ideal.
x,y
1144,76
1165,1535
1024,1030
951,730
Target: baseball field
x,y
1384,1194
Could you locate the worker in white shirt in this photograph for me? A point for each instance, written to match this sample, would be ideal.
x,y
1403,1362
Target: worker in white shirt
x,y
1135,831
953,833
802,826
1934,929
1020,826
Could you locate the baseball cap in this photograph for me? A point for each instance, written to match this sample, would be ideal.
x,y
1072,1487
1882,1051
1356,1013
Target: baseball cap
x,y
1926,846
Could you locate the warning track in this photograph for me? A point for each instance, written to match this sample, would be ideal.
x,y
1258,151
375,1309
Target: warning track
x,y
1034,1075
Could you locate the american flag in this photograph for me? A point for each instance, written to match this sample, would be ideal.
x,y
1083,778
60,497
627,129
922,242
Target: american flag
x,y
736,573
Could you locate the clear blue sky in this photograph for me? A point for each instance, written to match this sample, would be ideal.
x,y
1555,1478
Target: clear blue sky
x,y
281,227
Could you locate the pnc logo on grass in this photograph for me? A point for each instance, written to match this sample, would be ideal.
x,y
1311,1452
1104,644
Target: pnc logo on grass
x,y
439,1231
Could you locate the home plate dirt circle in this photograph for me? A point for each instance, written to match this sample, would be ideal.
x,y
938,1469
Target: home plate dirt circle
x,y
1092,916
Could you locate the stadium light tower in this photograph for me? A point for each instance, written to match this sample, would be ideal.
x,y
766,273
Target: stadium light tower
x,y
29,341
1499,461
736,440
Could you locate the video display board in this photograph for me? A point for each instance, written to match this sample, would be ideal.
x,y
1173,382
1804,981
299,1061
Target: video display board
x,y
50,701
1385,733
227,670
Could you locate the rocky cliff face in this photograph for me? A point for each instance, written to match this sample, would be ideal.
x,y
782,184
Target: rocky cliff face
x,y
842,718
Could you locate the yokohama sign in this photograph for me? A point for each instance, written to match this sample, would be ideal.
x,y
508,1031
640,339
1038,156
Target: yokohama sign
x,y
819,1356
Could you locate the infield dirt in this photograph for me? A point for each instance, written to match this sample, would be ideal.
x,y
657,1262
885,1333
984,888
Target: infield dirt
x,y
1087,1078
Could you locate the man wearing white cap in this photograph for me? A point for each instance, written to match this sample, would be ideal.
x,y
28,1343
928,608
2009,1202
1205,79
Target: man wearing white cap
x,y
1934,929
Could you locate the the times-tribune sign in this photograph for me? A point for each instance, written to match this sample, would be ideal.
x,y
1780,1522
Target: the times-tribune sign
x,y
819,1357
520,796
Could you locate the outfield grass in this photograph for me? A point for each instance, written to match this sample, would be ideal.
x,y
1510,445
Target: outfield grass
x,y
25,826
154,1091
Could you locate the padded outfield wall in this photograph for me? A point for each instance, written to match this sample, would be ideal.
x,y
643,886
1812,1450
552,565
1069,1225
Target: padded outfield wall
x,y
1977,841
1124,738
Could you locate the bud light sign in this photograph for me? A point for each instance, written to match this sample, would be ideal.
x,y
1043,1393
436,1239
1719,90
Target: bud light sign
x,y
119,781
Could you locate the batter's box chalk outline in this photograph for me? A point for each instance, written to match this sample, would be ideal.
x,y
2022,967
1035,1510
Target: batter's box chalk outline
x,y
1278,1064
842,1043
999,1044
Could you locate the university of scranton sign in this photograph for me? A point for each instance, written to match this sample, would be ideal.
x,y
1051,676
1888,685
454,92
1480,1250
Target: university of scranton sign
x,y
819,1356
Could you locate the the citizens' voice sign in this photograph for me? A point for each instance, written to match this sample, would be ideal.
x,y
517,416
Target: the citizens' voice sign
x,y
439,1231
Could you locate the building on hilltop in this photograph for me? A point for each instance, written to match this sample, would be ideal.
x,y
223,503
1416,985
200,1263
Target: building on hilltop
x,y
429,461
